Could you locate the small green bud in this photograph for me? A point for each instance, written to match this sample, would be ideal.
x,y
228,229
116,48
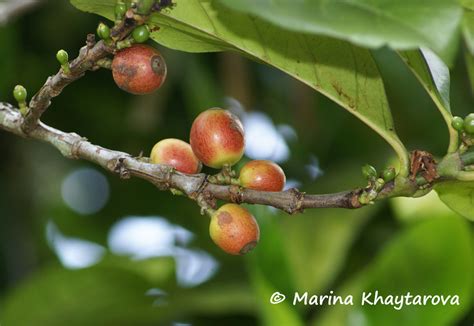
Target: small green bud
x,y
20,94
369,172
62,57
120,10
144,6
458,123
103,31
141,34
388,174
469,123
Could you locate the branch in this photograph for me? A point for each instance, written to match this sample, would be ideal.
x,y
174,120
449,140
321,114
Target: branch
x,y
89,55
195,186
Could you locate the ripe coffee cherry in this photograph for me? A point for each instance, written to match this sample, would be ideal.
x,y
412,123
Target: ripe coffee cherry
x,y
262,175
469,123
139,69
234,229
217,138
176,153
457,123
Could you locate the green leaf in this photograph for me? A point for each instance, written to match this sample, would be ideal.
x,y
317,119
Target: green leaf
x,y
318,242
95,296
459,196
468,29
469,58
468,4
433,74
439,247
408,209
400,24
272,314
345,73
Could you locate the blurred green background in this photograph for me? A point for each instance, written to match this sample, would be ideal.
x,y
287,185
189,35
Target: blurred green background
x,y
81,247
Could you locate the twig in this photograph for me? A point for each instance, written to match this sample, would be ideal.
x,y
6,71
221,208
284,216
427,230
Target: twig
x,y
89,55
74,146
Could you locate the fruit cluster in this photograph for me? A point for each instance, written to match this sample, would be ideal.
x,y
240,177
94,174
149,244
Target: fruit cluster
x,y
217,140
464,125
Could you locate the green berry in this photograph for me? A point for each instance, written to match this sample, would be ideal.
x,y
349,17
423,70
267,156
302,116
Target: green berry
x,y
62,57
457,123
120,10
469,123
19,92
369,172
141,34
388,174
103,31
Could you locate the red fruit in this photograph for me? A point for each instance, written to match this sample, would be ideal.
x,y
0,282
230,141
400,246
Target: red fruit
x,y
262,175
176,153
139,69
234,229
217,138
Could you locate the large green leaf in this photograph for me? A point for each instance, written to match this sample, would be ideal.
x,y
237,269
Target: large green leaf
x,y
95,296
345,73
401,24
468,29
459,196
440,248
433,74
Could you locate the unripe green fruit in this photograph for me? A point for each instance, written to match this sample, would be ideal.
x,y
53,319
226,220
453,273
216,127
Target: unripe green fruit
x,y
469,123
103,31
388,174
141,34
63,57
139,69
120,10
19,93
458,123
176,153
217,138
262,175
234,229
369,172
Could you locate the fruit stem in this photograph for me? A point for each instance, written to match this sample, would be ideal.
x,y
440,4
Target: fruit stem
x,y
128,42
105,63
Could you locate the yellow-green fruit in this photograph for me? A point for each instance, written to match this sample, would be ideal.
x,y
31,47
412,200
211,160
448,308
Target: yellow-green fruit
x,y
234,229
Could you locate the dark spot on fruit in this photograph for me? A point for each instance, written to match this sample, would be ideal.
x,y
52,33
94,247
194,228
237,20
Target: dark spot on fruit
x,y
157,65
224,218
248,247
127,70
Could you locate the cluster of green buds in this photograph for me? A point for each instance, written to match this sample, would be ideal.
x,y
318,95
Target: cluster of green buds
x,y
376,182
465,127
